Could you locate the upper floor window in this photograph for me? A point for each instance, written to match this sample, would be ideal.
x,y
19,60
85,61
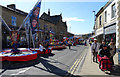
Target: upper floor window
x,y
100,20
113,10
13,20
105,16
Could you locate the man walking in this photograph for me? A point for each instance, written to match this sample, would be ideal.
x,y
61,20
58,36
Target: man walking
x,y
94,49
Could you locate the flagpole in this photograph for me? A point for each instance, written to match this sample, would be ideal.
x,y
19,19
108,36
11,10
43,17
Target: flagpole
x,y
32,39
28,15
5,23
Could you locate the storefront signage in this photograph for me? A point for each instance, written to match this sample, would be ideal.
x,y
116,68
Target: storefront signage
x,y
110,30
99,31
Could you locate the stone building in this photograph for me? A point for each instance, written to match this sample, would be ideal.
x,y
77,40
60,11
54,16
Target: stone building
x,y
9,14
60,27
14,18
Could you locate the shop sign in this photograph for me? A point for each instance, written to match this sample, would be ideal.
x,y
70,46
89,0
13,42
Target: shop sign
x,y
99,31
110,30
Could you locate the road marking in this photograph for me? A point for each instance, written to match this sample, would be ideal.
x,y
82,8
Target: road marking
x,y
75,65
21,71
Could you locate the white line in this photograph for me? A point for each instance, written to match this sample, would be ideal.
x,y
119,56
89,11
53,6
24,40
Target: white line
x,y
21,71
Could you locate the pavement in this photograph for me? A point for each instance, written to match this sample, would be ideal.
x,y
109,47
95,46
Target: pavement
x,y
92,68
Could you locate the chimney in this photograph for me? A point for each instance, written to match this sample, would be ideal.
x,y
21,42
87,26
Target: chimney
x,y
49,12
12,6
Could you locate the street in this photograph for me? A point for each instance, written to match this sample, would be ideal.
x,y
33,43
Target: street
x,y
65,62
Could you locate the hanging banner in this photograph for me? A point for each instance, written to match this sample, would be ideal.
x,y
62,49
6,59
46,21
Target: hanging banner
x,y
14,36
34,16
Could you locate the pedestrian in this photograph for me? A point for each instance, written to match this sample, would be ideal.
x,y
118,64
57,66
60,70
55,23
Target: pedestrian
x,y
94,49
85,42
112,49
103,43
41,47
104,51
69,44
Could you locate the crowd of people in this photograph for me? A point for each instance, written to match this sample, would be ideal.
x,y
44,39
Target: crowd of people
x,y
103,49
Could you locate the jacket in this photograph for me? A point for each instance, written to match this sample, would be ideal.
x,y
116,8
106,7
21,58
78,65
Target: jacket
x,y
94,47
103,53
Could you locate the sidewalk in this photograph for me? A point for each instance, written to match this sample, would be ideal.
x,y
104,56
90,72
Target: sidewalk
x,y
89,67
92,68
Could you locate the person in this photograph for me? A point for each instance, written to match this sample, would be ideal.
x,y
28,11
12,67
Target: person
x,y
103,43
90,42
41,47
112,49
94,49
85,42
69,44
45,47
104,51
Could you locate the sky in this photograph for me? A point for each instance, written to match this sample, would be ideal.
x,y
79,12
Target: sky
x,y
77,13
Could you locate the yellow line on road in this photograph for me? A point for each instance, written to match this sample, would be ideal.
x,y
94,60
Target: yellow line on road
x,y
72,66
76,63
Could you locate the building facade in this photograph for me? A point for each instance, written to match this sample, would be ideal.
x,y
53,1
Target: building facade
x,y
106,18
118,30
14,18
107,23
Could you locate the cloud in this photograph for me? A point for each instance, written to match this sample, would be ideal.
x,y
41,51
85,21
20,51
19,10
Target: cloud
x,y
72,19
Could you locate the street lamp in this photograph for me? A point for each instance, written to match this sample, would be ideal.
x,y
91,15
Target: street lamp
x,y
94,21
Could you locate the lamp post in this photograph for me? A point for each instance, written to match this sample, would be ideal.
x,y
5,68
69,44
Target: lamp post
x,y
94,22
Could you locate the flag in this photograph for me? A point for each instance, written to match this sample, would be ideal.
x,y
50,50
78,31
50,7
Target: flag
x,y
34,17
31,22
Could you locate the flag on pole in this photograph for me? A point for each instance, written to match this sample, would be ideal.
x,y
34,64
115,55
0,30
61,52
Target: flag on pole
x,y
31,21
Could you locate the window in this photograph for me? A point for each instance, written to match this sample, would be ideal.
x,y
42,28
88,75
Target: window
x,y
13,20
113,10
105,16
100,20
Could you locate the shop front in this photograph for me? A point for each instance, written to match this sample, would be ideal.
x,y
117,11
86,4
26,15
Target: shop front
x,y
110,33
99,34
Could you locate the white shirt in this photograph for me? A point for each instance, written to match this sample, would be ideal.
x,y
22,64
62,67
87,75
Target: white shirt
x,y
41,48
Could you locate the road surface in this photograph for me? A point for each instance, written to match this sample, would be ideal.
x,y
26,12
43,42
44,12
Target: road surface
x,y
64,62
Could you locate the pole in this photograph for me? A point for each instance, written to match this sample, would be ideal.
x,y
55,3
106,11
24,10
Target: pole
x,y
5,23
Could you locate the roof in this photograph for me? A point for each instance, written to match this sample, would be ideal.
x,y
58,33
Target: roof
x,y
52,19
15,10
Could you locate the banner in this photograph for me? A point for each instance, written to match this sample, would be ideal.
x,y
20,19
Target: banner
x,y
14,36
34,16
31,22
